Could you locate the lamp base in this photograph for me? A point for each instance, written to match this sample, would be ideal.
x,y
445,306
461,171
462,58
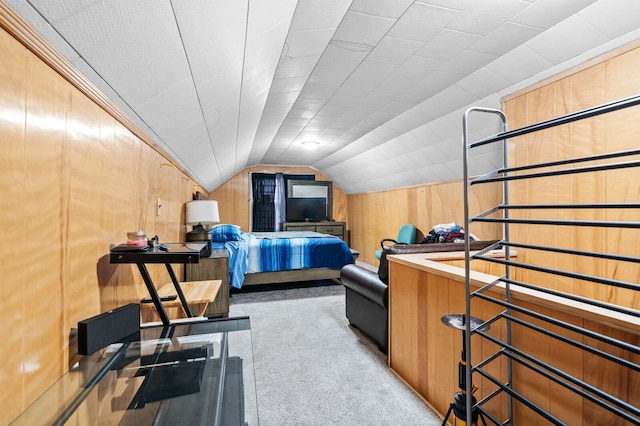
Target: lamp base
x,y
199,234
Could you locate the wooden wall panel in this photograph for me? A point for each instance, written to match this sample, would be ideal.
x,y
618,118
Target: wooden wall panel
x,y
12,185
381,214
74,181
419,297
607,81
44,140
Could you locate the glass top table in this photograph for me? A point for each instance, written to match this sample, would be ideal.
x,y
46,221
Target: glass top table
x,y
193,373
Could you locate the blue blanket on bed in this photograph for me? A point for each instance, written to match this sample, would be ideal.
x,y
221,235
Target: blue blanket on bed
x,y
282,251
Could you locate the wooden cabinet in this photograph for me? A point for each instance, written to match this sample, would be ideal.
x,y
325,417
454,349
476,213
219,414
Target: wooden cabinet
x,y
339,229
214,267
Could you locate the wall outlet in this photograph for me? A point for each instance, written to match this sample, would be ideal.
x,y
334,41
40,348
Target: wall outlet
x,y
159,204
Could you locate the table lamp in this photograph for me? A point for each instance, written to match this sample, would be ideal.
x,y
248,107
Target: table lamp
x,y
197,214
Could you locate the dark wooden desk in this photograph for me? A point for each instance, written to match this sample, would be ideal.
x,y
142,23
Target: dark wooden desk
x,y
174,253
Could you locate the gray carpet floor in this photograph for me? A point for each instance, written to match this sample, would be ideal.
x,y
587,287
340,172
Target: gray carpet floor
x,y
313,368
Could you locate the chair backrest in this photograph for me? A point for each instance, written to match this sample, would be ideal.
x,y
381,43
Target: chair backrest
x,y
407,234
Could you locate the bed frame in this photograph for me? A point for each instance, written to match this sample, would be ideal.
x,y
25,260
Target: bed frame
x,y
295,275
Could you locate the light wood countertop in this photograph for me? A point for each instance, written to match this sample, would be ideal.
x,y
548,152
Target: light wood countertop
x,y
433,263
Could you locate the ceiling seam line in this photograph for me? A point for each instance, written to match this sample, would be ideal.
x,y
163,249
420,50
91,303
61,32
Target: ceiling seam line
x,y
271,85
195,88
244,60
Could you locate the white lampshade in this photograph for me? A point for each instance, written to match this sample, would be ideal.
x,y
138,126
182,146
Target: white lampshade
x,y
201,212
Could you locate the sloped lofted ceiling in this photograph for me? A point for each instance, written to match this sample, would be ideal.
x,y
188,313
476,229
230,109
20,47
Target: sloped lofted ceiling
x,y
381,84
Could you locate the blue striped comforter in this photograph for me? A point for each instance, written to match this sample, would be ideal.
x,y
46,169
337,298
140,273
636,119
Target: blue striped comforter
x,y
282,251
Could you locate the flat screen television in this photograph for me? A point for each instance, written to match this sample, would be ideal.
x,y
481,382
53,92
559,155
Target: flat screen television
x,y
306,209
308,201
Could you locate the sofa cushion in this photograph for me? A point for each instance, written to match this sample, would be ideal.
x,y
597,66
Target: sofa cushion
x,y
383,269
366,283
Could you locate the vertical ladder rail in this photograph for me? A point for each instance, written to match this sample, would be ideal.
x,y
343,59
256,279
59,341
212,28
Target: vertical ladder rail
x,y
467,258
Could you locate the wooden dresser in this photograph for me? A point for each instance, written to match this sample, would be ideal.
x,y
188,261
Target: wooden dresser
x,y
214,267
339,229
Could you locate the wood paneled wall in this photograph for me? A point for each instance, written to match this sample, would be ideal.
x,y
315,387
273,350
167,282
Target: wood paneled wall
x,y
378,215
74,182
233,196
613,79
425,353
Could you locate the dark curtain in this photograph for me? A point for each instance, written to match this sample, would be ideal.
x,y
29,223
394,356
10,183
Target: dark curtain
x,y
263,186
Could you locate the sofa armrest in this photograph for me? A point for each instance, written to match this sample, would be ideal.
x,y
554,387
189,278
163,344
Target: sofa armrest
x,y
366,283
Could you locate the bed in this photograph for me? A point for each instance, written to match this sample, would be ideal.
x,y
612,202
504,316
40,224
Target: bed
x,y
274,257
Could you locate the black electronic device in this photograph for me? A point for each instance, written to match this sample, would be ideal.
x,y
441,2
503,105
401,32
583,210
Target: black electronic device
x,y
309,201
306,210
107,328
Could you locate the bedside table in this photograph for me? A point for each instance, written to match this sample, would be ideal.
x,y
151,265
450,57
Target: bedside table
x,y
214,267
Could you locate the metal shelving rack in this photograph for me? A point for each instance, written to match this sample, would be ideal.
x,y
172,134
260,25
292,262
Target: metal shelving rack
x,y
512,312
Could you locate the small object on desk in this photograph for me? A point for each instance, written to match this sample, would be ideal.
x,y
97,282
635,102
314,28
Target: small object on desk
x,y
163,247
129,248
137,238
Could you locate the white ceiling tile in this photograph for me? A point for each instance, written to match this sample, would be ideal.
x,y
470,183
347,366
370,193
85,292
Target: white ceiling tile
x,y
455,166
202,23
362,29
56,11
556,69
467,62
612,18
483,82
607,47
544,14
522,84
263,17
221,84
296,67
317,91
176,105
373,71
388,8
505,38
392,50
395,85
313,14
307,43
483,17
287,84
411,25
36,20
442,172
520,64
357,88
329,75
343,55
566,40
447,44
104,35
419,67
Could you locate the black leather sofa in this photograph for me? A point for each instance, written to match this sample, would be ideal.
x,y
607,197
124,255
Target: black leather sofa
x,y
367,292
366,303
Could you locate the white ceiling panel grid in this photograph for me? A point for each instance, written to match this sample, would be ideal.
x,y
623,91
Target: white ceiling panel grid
x,y
381,84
